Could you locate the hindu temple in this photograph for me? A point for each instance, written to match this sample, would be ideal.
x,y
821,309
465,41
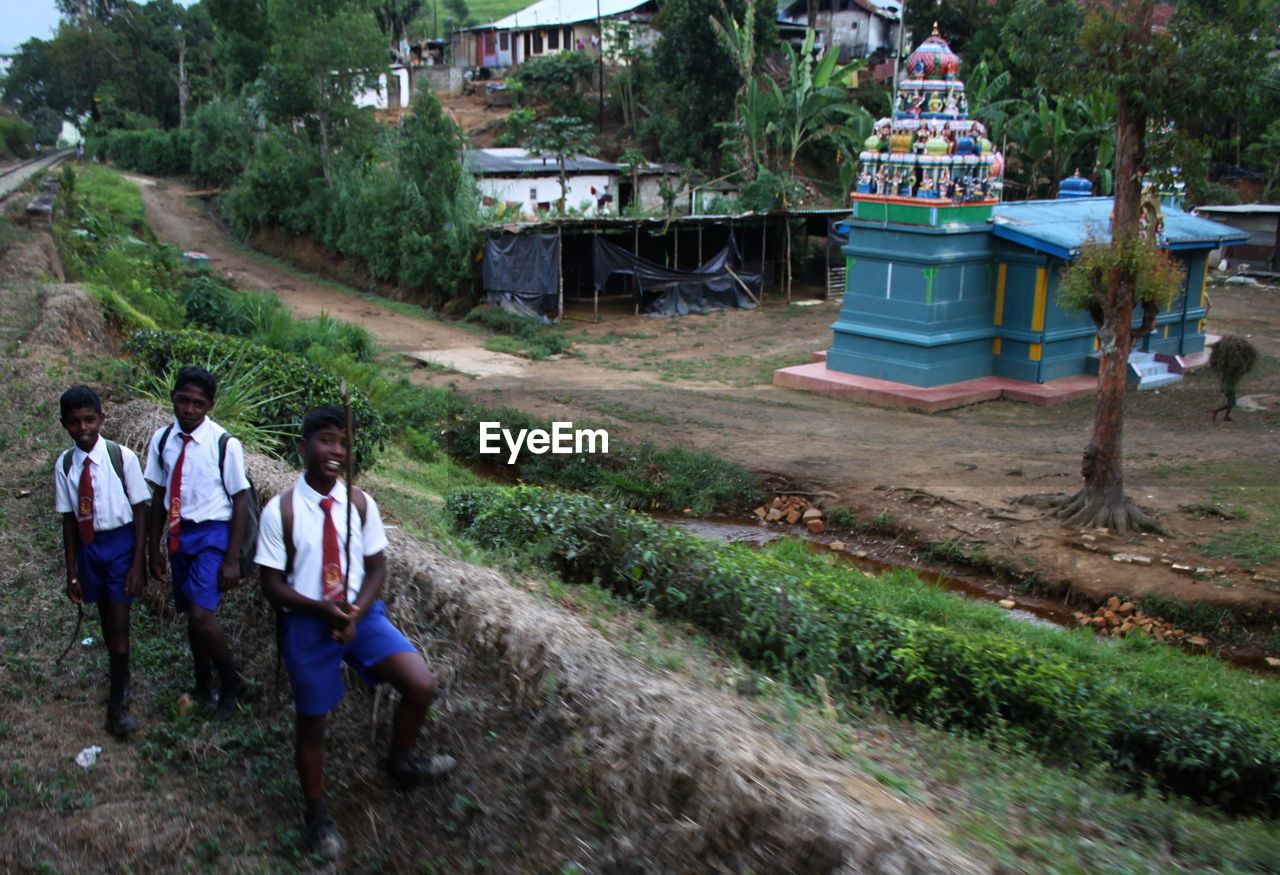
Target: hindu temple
x,y
951,295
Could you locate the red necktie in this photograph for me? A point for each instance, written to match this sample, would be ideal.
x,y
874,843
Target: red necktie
x,y
175,496
84,518
331,569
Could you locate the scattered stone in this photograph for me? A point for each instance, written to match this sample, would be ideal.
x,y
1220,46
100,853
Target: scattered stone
x,y
811,514
861,554
1007,604
185,703
773,514
1178,568
792,517
1088,538
1273,662
761,512
1198,641
1132,558
837,545
1126,609
817,526
1113,603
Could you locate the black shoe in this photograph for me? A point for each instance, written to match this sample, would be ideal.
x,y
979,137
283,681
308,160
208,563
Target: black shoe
x,y
205,696
324,840
230,702
410,770
119,722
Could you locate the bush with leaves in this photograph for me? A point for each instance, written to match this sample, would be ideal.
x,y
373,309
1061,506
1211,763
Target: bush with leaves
x,y
154,152
800,620
292,384
556,82
221,141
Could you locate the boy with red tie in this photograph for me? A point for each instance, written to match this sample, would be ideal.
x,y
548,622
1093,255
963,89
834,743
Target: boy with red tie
x,y
198,512
102,496
323,564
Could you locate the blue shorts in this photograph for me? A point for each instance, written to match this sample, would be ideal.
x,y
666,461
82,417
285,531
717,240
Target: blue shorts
x,y
103,565
194,568
314,659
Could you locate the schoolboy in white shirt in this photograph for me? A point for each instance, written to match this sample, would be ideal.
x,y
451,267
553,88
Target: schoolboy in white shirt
x,y
102,496
333,613
198,513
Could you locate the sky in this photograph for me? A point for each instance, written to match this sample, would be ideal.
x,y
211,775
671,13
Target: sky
x,y
22,19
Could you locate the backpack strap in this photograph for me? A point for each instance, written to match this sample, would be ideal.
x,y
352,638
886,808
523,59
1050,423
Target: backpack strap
x,y
286,521
223,440
164,439
286,527
66,463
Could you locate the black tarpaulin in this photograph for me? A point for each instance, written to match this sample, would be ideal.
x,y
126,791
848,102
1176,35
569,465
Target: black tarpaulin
x,y
662,291
522,273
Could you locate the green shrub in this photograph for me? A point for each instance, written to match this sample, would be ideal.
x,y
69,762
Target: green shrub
x,y
221,141
792,620
1213,759
530,337
154,152
294,384
15,135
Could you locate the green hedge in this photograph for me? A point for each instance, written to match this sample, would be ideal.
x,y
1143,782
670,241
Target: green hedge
x,y
314,385
799,625
154,152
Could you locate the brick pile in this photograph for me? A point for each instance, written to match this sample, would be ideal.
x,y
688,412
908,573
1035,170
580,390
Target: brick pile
x,y
1122,618
792,510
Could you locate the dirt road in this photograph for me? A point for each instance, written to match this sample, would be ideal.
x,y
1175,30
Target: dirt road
x,y
704,382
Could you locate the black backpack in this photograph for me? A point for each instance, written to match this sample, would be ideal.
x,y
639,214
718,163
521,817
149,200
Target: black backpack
x,y
253,503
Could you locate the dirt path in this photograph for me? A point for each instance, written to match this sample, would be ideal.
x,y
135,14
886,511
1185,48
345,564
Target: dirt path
x,y
703,382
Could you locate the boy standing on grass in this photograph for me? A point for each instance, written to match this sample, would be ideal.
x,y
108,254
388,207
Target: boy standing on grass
x,y
325,566
102,496
198,511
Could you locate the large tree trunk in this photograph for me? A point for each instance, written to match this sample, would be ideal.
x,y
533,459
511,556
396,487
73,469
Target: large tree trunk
x,y
1102,502
184,87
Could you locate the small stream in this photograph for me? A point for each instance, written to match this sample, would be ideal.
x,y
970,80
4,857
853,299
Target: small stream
x,y
876,557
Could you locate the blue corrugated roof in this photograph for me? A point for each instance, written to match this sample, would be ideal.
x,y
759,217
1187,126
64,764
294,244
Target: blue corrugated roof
x,y
1061,227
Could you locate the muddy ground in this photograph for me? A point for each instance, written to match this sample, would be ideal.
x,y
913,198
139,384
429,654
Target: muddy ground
x,y
703,382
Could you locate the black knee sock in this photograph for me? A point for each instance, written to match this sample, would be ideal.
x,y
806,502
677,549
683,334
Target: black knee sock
x,y
227,674
204,677
119,673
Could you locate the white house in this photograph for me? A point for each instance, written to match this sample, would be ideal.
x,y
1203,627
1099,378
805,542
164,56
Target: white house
x,y
528,184
859,28
551,26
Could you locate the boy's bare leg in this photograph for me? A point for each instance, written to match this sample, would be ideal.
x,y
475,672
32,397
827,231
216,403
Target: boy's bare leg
x,y
210,644
308,755
409,674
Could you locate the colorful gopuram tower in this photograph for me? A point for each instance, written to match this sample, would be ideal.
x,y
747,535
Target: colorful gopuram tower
x,y
930,154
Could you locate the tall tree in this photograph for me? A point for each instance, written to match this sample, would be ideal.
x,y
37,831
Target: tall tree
x,y
561,136
326,49
1147,70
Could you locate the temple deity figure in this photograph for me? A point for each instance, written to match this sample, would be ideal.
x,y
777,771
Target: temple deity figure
x,y
935,103
917,103
964,104
882,175
953,107
926,185
864,181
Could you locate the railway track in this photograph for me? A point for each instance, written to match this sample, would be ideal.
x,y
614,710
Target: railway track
x,y
15,177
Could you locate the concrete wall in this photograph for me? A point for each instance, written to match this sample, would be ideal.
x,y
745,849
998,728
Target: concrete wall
x,y
529,191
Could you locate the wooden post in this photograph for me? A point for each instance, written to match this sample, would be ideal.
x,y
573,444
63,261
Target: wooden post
x,y
764,236
560,269
675,259
635,247
699,244
595,289
786,249
826,270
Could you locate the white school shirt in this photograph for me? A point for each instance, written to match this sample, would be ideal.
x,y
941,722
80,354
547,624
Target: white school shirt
x,y
112,500
308,538
203,497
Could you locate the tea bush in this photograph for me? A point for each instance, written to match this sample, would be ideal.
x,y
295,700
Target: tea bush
x,y
797,625
154,152
302,384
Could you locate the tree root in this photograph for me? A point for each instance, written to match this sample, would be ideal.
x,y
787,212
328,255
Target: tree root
x,y
1097,512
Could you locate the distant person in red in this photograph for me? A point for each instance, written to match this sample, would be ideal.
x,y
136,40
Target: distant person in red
x,y
323,564
102,496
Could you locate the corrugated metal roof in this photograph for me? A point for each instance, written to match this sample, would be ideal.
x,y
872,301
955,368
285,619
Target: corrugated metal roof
x,y
549,13
518,162
1061,227
1241,208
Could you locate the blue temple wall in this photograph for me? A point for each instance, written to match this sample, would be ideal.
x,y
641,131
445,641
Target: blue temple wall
x,y
928,306
917,305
